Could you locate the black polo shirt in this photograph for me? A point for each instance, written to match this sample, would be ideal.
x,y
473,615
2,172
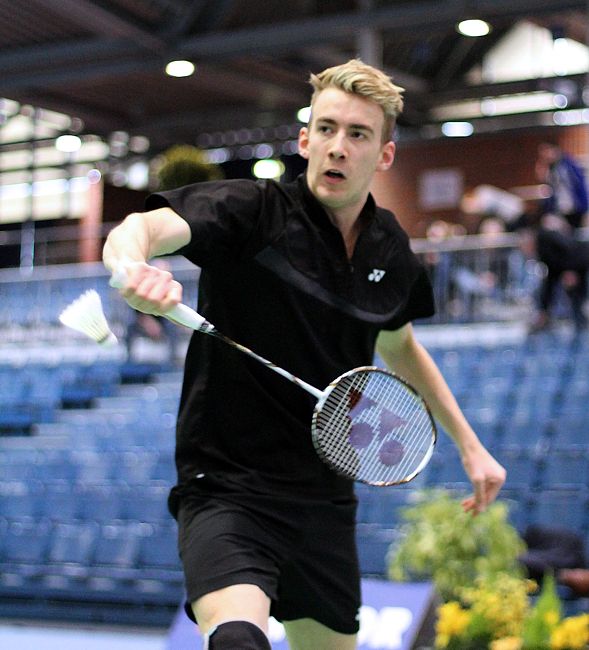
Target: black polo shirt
x,y
276,278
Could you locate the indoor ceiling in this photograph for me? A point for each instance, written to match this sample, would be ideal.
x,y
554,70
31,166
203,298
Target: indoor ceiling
x,y
103,60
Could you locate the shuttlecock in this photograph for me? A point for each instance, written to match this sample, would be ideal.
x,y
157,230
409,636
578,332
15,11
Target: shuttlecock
x,y
85,315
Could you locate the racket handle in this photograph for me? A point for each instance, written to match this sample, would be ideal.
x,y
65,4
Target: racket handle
x,y
180,314
184,315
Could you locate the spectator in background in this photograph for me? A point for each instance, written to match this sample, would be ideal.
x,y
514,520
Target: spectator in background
x,y
567,182
566,258
488,201
439,262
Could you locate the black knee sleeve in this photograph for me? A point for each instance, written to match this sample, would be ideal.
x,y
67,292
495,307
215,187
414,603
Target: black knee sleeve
x,y
236,635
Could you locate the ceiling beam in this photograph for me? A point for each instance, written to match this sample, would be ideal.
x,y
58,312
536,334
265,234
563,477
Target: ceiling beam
x,y
458,93
94,18
272,39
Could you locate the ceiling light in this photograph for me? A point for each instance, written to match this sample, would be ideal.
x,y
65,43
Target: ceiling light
x,y
94,176
560,101
68,143
457,129
572,117
304,114
180,68
473,27
268,168
502,105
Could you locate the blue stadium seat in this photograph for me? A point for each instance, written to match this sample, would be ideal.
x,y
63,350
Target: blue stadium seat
x,y
381,506
447,468
158,552
570,429
567,507
374,543
69,555
19,463
101,502
136,466
116,550
566,468
59,502
522,466
523,430
92,466
517,500
159,571
21,499
23,552
147,503
164,469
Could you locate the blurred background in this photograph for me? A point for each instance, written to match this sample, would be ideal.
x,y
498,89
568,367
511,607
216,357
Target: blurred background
x,y
105,101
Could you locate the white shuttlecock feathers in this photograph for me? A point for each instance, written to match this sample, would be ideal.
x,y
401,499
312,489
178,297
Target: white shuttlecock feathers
x,y
85,315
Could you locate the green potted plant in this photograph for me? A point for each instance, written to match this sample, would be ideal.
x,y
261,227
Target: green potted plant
x,y
473,563
443,544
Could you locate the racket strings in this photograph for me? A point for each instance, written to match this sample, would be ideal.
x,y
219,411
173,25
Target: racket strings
x,y
398,407
414,431
374,428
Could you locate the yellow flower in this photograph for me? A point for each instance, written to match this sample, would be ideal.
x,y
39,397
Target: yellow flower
x,y
571,634
452,621
506,643
502,602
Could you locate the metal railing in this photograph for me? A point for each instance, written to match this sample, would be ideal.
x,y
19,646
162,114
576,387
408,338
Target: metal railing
x,y
477,278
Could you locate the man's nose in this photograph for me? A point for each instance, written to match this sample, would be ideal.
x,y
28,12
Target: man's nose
x,y
338,149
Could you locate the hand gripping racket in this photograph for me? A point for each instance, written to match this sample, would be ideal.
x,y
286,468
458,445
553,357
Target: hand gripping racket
x,y
368,424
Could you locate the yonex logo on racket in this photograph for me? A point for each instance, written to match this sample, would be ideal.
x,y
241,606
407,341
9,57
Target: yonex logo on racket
x,y
376,275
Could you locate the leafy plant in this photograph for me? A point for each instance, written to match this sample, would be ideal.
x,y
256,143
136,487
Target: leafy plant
x,y
443,544
184,164
544,617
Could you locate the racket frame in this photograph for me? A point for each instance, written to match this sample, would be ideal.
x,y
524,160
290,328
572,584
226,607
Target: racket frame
x,y
319,448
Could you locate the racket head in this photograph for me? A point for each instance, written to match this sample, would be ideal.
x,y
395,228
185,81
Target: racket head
x,y
372,426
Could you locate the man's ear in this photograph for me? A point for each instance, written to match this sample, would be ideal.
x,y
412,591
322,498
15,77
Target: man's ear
x,y
304,142
387,155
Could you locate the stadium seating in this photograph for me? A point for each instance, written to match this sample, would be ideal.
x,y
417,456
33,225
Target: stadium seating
x,y
86,463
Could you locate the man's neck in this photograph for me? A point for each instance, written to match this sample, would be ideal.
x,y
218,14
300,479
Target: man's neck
x,y
350,225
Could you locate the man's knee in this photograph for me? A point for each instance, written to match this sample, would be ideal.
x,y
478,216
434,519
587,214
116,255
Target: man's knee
x,y
236,635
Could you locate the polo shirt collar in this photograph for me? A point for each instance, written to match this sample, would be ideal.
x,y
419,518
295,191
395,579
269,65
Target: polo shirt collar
x,y
317,211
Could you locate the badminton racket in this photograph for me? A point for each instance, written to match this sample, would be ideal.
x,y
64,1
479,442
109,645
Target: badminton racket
x,y
368,425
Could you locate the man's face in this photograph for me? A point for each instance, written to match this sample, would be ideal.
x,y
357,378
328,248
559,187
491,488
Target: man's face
x,y
344,148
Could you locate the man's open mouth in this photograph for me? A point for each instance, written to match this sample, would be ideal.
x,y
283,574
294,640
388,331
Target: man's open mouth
x,y
334,173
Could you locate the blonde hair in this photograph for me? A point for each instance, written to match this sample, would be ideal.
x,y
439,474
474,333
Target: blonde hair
x,y
358,78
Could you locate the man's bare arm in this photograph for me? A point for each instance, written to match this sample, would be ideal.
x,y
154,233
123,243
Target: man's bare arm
x,y
140,237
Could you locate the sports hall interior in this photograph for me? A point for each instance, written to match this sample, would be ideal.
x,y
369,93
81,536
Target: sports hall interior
x,y
87,117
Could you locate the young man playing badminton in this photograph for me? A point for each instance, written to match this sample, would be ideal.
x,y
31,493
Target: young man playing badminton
x,y
313,276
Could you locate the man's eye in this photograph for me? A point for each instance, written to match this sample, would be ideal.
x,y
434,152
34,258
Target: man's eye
x,y
358,134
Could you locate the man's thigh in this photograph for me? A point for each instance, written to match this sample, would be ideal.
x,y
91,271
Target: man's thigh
x,y
307,634
235,603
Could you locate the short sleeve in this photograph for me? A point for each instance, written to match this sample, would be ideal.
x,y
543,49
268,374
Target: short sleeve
x,y
419,302
223,217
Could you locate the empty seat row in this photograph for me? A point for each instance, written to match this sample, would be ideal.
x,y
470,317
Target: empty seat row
x,y
85,560
62,502
133,465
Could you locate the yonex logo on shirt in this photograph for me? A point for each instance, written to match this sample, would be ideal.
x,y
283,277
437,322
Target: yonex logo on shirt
x,y
377,275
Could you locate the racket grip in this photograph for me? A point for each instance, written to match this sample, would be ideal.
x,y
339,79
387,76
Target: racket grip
x,y
180,314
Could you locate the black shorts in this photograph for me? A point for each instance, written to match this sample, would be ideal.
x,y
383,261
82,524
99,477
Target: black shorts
x,y
301,553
